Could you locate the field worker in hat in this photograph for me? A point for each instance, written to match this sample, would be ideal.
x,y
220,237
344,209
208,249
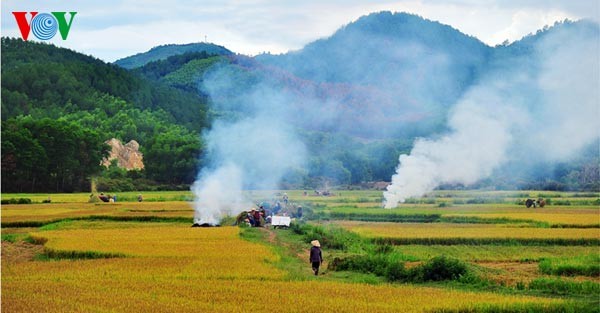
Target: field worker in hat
x,y
316,258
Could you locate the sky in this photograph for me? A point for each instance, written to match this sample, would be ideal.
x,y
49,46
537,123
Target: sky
x,y
114,29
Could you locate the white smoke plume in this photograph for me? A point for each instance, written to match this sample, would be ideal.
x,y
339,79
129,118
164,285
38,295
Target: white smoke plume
x,y
250,152
218,193
544,108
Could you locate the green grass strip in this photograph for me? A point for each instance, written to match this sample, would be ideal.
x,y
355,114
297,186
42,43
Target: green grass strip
x,y
559,286
490,241
438,218
9,237
567,307
586,265
396,218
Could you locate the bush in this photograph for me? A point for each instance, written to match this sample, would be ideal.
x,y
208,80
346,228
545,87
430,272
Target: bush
x,y
329,237
386,265
16,201
374,264
384,248
297,228
24,201
441,268
395,271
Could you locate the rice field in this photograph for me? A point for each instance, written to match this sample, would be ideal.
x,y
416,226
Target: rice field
x,y
145,257
476,231
175,268
43,212
149,196
568,216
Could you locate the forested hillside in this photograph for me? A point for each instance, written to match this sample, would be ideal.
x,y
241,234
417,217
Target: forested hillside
x,y
48,87
165,51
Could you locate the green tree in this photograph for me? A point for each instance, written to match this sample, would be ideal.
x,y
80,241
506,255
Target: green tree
x,y
172,157
24,160
49,155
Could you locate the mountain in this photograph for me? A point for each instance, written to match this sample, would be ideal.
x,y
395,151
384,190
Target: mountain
x,y
42,78
385,41
165,51
381,65
60,106
183,71
411,60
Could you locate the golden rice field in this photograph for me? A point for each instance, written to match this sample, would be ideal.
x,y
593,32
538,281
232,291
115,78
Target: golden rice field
x,y
570,217
172,267
453,230
176,268
82,197
55,211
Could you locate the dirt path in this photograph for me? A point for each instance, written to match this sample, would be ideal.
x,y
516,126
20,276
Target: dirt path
x,y
302,253
272,239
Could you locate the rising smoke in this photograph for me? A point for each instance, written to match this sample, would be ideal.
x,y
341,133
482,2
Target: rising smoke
x,y
252,151
542,106
477,108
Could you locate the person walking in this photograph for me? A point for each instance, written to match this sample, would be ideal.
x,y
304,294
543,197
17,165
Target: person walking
x,y
316,258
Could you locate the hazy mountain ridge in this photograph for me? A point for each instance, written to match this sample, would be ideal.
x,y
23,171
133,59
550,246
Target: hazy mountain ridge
x,y
165,51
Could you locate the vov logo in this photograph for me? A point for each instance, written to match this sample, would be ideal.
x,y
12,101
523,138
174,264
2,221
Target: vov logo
x,y
44,25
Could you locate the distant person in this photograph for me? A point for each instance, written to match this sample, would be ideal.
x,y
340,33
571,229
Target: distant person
x,y
103,197
251,218
277,207
285,198
299,212
530,203
541,202
316,258
256,215
140,198
114,198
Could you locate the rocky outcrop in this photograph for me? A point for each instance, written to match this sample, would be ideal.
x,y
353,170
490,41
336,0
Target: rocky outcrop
x,y
128,156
